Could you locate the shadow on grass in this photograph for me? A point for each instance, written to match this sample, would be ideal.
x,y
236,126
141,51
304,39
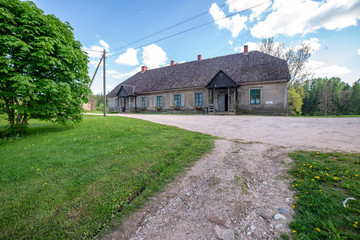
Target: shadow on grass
x,y
34,129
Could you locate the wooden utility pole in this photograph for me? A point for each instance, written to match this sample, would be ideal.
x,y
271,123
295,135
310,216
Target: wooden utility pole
x,y
104,77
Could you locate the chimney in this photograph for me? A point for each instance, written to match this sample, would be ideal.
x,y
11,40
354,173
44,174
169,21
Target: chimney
x,y
246,50
199,57
143,68
172,63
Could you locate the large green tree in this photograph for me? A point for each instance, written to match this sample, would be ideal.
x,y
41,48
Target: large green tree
x,y
43,71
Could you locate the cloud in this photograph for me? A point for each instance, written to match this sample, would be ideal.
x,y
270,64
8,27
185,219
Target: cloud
x,y
290,17
154,56
128,58
252,46
319,69
105,45
359,51
313,43
118,75
234,24
230,42
236,6
94,63
96,51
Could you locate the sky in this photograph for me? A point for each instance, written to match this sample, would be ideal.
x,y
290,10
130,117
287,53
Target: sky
x,y
330,27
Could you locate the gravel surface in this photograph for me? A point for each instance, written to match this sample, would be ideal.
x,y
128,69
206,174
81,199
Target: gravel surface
x,y
240,190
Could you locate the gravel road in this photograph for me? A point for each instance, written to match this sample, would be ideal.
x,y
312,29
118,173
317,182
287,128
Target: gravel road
x,y
238,190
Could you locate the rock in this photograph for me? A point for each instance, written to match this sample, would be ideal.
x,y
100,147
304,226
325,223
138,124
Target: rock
x,y
224,234
277,226
252,228
279,216
219,220
264,216
283,210
287,200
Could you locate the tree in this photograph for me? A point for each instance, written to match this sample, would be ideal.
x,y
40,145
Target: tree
x,y
296,60
43,71
295,102
295,57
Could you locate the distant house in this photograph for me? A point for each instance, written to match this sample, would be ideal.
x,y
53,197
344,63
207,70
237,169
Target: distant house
x,y
90,105
249,82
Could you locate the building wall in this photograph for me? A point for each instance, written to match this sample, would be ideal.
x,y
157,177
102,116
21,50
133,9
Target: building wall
x,y
273,99
187,100
111,104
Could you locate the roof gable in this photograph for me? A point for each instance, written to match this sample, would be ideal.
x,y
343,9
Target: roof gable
x,y
221,80
122,92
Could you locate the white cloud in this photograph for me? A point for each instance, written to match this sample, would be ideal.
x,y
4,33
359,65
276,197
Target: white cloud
x,y
290,17
359,51
94,63
320,69
154,56
128,58
230,42
234,24
94,51
236,6
313,43
97,51
118,75
252,46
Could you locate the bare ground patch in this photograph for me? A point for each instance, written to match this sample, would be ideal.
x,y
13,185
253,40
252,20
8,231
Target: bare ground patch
x,y
232,193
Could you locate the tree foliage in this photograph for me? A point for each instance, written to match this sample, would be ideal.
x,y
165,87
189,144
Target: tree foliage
x,y
332,96
43,71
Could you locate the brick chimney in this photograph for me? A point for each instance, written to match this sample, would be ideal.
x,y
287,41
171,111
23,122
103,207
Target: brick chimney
x,y
246,50
199,57
172,62
143,68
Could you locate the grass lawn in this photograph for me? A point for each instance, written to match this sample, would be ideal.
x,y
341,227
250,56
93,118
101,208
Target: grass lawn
x,y
322,182
69,182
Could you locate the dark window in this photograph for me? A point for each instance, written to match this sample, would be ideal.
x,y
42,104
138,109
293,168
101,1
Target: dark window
x,y
116,102
159,101
198,99
143,102
177,100
255,96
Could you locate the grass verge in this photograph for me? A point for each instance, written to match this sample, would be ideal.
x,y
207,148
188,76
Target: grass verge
x,y
322,182
68,183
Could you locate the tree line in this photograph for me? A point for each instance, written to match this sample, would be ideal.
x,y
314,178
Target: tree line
x,y
313,96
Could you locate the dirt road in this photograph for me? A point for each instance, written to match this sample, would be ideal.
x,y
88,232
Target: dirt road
x,y
236,191
340,134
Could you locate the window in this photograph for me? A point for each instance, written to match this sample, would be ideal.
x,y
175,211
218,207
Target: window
x,y
159,101
177,100
198,99
116,102
143,102
255,96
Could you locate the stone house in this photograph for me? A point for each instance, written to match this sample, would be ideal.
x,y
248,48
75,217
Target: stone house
x,y
248,82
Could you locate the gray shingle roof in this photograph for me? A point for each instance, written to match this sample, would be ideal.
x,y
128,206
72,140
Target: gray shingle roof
x,y
253,67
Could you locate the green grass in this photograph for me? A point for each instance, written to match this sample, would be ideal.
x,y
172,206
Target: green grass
x,y
322,181
68,183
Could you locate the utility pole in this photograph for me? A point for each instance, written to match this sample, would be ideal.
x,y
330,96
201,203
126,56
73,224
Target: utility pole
x,y
104,77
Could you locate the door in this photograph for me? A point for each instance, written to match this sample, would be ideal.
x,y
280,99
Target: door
x,y
221,102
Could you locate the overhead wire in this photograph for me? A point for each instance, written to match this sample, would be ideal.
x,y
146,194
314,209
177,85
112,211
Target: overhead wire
x,y
172,26
193,28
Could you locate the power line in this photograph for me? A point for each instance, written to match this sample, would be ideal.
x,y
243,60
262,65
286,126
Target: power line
x,y
193,28
92,50
170,27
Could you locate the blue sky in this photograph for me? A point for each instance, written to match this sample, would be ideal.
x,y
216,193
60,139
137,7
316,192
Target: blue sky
x,y
331,28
